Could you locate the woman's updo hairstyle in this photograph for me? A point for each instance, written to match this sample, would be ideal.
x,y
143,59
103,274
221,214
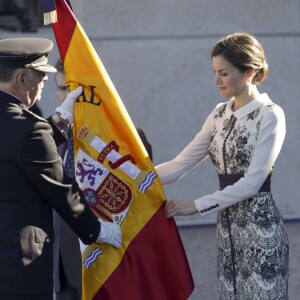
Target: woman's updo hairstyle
x,y
244,52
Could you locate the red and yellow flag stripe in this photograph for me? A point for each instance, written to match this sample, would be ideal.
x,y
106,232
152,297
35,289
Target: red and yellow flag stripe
x,y
119,182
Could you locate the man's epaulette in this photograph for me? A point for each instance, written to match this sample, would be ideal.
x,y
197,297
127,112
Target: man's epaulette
x,y
31,114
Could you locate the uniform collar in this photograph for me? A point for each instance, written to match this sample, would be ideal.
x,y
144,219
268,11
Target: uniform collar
x,y
248,108
12,96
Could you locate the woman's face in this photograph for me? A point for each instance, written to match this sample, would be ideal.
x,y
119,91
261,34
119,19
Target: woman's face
x,y
229,80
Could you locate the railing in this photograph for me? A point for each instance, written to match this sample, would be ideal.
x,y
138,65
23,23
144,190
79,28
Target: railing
x,y
210,222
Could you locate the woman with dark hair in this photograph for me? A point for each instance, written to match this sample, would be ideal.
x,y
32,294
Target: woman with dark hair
x,y
243,138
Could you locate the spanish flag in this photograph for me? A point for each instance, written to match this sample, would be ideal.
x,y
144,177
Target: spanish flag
x,y
120,184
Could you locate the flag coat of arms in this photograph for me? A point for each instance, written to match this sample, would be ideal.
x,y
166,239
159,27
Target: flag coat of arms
x,y
118,181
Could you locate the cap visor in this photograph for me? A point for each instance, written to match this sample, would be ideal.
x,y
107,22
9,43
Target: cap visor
x,y
45,68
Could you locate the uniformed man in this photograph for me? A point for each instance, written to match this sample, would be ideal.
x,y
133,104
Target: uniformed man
x,y
32,178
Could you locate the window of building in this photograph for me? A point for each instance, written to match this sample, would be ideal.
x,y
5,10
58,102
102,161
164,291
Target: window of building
x,y
21,15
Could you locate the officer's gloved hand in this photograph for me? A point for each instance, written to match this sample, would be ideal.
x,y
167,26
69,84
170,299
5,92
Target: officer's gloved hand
x,y
110,233
66,108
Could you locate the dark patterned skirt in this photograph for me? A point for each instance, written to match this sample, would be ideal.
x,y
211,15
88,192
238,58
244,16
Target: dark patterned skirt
x,y
252,251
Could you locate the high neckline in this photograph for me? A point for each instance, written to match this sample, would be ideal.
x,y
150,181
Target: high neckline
x,y
248,108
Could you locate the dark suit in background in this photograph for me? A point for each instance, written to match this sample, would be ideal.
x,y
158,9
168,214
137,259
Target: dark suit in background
x,y
145,142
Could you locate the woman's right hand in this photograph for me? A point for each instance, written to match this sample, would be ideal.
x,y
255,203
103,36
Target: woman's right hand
x,y
180,208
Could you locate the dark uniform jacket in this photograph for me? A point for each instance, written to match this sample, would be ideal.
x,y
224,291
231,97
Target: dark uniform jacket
x,y
67,255
32,182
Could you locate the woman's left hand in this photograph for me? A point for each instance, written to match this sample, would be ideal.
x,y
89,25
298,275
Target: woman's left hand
x,y
180,208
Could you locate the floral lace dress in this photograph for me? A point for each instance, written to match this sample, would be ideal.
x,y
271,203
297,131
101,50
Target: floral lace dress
x,y
252,244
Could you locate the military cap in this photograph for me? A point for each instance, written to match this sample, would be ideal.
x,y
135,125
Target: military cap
x,y
26,53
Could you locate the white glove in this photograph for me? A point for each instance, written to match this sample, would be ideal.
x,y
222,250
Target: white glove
x,y
66,108
110,233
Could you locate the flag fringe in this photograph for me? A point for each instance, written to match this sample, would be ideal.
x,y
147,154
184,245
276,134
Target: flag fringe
x,y
50,17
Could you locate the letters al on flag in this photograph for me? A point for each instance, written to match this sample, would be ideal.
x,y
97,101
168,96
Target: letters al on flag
x,y
120,184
